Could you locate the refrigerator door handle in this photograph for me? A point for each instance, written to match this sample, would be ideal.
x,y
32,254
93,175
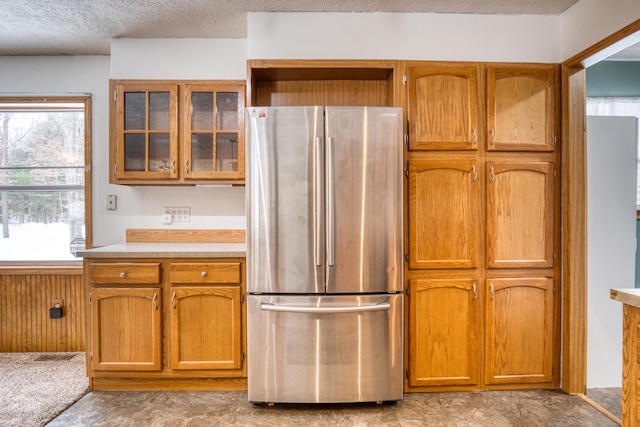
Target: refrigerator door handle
x,y
319,211
338,309
329,202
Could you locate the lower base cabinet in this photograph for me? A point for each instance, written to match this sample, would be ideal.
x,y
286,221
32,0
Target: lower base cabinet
x,y
519,331
462,337
126,327
205,327
166,324
443,332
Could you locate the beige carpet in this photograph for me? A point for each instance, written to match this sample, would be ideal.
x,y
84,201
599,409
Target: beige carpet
x,y
36,387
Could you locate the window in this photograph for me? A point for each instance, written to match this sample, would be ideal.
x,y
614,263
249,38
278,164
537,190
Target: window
x,y
618,106
44,158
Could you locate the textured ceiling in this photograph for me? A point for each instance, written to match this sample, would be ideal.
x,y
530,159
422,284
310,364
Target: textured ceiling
x,y
85,27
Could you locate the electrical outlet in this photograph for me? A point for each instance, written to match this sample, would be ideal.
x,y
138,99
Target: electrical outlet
x,y
179,214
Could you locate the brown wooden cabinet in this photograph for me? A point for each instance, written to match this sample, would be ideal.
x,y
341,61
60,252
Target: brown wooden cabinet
x,y
166,323
206,327
115,344
443,214
520,201
519,330
120,295
443,107
480,167
521,108
147,147
444,323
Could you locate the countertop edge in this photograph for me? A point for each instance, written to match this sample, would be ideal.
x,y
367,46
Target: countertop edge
x,y
629,296
168,250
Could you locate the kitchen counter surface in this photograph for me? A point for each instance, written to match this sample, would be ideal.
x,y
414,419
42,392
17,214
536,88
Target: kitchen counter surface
x,y
168,250
630,296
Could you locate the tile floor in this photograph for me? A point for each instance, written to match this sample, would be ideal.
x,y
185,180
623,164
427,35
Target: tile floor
x,y
231,408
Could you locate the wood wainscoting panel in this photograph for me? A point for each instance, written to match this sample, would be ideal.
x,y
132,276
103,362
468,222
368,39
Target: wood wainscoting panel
x,y
26,295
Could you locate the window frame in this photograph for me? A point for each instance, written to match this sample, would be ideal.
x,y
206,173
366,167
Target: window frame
x,y
84,99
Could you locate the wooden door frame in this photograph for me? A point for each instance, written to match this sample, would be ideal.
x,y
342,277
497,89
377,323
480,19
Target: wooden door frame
x,y
574,205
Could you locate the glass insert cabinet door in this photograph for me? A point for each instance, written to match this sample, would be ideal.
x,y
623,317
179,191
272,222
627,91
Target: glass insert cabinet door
x,y
147,131
213,131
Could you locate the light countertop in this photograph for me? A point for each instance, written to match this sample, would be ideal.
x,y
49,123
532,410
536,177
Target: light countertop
x,y
168,250
630,296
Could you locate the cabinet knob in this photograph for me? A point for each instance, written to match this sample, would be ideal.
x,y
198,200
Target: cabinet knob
x,y
203,274
122,274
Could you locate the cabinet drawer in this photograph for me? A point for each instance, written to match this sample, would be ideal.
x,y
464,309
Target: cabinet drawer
x,y
228,272
125,273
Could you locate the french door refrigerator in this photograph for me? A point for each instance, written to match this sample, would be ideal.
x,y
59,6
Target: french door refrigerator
x,y
324,254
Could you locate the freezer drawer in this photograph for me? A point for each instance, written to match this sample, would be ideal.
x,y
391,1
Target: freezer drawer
x,y
308,349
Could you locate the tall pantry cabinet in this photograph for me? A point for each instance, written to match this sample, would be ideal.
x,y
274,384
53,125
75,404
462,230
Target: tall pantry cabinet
x,y
482,226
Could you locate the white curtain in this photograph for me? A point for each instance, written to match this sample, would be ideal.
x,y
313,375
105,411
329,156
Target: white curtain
x,y
617,106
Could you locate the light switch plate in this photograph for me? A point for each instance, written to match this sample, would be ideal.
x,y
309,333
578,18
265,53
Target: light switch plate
x,y
111,202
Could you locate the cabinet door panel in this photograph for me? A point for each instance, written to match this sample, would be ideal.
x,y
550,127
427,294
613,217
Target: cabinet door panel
x,y
443,214
205,327
125,329
519,330
442,108
519,214
146,131
213,131
443,332
520,109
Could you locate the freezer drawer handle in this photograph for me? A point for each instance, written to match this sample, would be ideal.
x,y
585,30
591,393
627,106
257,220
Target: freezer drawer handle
x,y
339,309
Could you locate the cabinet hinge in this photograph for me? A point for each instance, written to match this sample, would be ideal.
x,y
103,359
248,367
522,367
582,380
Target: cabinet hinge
x,y
406,257
554,256
91,357
555,173
555,81
406,173
406,139
407,373
555,140
404,79
242,356
89,298
241,298
406,291
115,95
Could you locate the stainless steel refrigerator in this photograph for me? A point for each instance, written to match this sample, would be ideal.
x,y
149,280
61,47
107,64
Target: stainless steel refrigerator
x,y
324,254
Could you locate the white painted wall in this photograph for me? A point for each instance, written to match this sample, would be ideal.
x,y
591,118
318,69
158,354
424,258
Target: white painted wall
x,y
611,224
196,59
416,36
589,21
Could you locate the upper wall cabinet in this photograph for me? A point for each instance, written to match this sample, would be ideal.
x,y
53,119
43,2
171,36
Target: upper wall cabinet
x,y
172,133
446,107
276,82
521,108
443,107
